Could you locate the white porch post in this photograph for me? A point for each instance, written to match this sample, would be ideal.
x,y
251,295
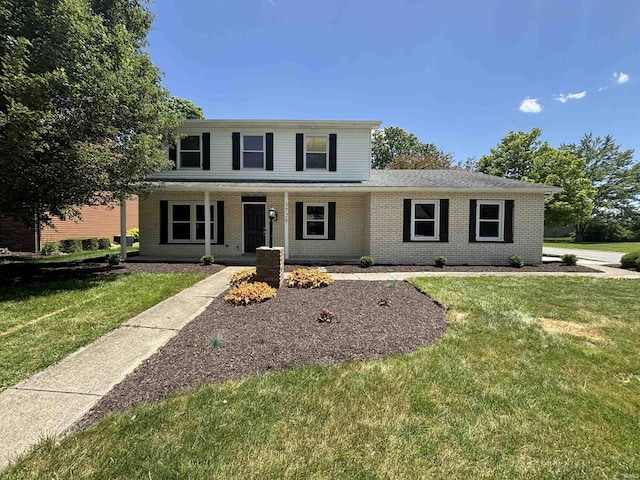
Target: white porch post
x,y
207,224
286,225
123,228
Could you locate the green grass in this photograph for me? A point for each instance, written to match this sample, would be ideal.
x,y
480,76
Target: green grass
x,y
41,324
70,257
622,247
509,392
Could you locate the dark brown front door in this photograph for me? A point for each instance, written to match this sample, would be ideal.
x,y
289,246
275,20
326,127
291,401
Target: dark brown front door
x,y
253,227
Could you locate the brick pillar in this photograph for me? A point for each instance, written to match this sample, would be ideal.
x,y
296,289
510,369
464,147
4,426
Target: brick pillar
x,y
270,265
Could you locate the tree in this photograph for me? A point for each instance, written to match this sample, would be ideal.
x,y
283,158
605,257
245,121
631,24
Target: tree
x,y
522,156
83,116
184,108
390,142
415,161
614,176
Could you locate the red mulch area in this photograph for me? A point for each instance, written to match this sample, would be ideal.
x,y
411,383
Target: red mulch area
x,y
545,267
281,333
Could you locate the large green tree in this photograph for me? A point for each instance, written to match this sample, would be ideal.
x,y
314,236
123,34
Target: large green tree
x,y
83,116
523,156
391,142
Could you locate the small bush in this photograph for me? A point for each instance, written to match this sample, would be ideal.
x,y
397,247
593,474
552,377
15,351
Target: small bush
x,y
308,278
71,245
247,293
207,259
243,276
516,261
569,259
104,243
215,341
50,248
114,259
89,244
630,260
440,261
606,231
326,316
366,261
135,233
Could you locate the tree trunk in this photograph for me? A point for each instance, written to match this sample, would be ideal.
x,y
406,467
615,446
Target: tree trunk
x,y
580,232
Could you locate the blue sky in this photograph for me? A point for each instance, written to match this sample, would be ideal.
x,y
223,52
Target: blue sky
x,y
457,73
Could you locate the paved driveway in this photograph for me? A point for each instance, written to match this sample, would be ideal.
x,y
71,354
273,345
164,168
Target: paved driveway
x,y
607,257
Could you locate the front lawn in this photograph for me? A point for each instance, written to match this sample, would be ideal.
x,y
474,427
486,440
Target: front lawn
x,y
42,323
622,247
535,378
89,254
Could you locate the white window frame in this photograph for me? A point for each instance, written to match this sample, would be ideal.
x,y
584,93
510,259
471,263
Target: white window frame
x,y
192,222
436,220
326,152
499,221
325,205
263,151
179,151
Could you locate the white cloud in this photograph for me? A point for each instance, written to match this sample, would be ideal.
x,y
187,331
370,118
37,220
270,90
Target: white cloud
x,y
621,77
562,98
602,89
530,105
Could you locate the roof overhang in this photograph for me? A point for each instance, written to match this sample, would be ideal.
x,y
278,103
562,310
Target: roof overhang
x,y
271,124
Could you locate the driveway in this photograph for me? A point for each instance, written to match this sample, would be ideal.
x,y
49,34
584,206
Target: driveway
x,y
606,257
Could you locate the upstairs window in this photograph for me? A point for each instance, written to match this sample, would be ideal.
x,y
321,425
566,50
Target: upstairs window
x,y
252,151
425,221
190,152
490,220
316,151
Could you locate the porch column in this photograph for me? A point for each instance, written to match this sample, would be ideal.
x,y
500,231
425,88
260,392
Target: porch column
x,y
123,228
207,224
286,225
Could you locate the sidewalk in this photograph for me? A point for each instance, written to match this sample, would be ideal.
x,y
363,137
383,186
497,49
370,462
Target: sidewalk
x,y
53,400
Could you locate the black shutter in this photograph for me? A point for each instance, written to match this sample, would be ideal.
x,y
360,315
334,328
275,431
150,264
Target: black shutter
x,y
164,221
220,223
269,151
173,155
206,151
406,220
508,221
332,221
299,220
299,152
472,220
444,220
235,140
333,149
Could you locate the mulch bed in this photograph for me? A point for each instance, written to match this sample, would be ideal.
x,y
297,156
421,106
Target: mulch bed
x,y
545,267
281,333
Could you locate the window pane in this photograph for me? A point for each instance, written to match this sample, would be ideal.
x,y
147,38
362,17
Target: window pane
x,y
315,213
253,142
252,160
181,213
190,159
316,160
181,231
190,143
199,231
200,213
315,228
425,210
489,229
489,212
425,229
316,144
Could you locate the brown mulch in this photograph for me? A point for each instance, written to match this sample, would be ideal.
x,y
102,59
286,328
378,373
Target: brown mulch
x,y
545,267
281,333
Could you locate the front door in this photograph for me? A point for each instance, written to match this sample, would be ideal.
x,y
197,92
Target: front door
x,y
254,226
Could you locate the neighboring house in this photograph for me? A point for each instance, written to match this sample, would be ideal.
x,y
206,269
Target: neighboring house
x,y
330,204
96,222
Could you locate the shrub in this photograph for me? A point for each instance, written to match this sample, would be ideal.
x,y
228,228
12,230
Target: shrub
x,y
630,260
135,233
516,261
308,278
50,248
440,261
606,231
247,293
325,316
207,259
569,259
70,245
215,341
366,261
104,243
89,244
114,259
243,276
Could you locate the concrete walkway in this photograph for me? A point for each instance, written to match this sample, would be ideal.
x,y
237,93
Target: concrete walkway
x,y
610,258
52,401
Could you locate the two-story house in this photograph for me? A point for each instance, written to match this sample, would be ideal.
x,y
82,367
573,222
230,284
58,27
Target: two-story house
x,y
317,175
